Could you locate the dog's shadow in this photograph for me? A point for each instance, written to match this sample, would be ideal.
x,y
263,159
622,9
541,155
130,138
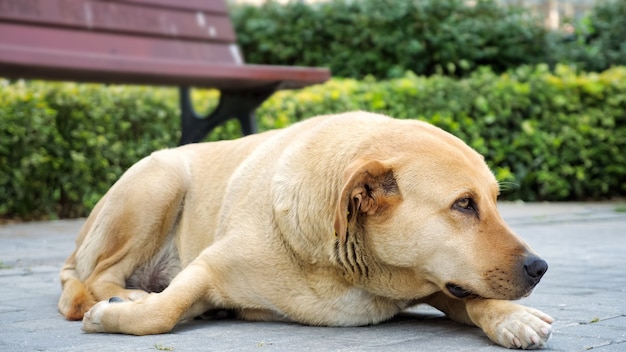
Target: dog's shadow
x,y
410,327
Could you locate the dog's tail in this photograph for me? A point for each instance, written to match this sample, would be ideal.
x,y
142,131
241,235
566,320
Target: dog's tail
x,y
75,299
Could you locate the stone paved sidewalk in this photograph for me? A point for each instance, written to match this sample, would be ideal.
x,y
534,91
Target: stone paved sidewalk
x,y
584,289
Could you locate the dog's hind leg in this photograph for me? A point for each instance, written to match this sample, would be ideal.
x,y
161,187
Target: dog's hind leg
x,y
130,225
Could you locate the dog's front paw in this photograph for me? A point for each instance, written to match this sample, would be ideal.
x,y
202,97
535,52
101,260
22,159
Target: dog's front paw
x,y
524,327
92,320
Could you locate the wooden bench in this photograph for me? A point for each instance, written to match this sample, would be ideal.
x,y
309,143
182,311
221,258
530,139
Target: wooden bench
x,y
184,43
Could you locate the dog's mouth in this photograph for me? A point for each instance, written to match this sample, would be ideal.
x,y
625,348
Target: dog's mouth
x,y
458,291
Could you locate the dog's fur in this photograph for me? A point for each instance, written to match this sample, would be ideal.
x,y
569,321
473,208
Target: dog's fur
x,y
339,220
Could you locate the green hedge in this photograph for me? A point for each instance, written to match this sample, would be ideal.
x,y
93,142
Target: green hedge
x,y
599,39
62,145
386,38
547,136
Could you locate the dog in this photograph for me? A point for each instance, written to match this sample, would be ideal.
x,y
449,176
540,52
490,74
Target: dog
x,y
338,220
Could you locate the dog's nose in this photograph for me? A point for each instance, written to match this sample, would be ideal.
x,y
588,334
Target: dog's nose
x,y
535,267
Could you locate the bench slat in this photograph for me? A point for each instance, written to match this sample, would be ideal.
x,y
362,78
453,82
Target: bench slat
x,y
126,17
203,5
112,45
20,62
32,52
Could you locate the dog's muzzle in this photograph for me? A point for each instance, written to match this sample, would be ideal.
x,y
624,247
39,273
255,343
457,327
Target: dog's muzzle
x,y
529,273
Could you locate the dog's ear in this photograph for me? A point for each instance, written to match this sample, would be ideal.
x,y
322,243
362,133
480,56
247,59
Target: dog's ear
x,y
370,188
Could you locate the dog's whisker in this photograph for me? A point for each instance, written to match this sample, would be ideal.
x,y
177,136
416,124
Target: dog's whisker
x,y
506,186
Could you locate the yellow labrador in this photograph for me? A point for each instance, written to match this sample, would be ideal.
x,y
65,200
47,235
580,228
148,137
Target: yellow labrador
x,y
340,220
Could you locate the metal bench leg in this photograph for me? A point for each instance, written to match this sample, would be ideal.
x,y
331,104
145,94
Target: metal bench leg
x,y
233,104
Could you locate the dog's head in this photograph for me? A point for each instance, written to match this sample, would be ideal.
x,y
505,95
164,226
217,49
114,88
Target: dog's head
x,y
419,210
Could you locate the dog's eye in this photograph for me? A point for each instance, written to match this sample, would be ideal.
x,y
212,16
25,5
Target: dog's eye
x,y
466,205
